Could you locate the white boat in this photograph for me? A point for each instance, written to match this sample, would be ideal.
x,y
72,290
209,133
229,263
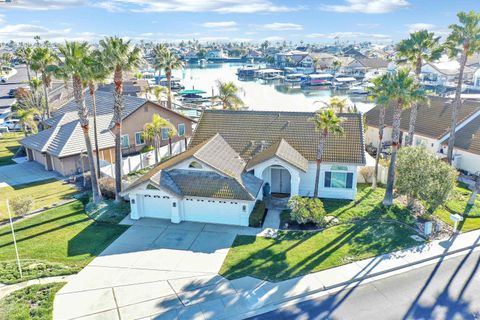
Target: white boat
x,y
317,80
360,89
345,82
268,74
294,78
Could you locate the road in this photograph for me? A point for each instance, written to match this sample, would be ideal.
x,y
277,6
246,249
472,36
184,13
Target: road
x,y
18,79
447,290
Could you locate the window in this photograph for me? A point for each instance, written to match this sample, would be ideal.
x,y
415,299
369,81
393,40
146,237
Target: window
x,y
124,141
335,179
165,133
139,138
181,129
195,165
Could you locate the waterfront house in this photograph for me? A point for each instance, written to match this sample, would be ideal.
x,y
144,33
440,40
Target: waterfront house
x,y
443,73
237,157
432,129
61,146
359,68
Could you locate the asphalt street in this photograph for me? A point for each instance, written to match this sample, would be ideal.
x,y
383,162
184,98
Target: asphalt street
x,y
12,83
447,290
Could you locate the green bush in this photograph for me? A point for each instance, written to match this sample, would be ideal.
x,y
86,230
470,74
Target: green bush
x,y
258,215
307,210
107,187
147,148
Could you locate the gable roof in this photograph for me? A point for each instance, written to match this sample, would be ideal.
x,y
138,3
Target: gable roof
x,y
283,151
468,137
374,63
249,132
432,121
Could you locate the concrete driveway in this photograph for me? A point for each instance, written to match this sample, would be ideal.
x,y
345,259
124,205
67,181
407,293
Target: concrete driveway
x,y
156,270
22,173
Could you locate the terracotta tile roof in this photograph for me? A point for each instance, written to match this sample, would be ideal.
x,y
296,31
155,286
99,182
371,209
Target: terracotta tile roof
x,y
282,150
468,137
432,121
249,132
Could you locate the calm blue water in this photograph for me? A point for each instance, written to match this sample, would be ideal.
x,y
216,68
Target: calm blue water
x,y
257,94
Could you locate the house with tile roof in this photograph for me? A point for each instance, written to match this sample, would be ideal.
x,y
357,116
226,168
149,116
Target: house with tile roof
x,y
61,145
237,157
432,129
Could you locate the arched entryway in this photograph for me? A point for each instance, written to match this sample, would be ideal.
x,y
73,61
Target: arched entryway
x,y
279,179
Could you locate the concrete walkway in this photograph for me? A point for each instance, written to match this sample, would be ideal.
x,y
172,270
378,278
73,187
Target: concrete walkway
x,y
272,220
159,270
5,290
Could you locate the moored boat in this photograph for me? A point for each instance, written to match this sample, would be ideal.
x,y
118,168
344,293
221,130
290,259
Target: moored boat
x,y
317,80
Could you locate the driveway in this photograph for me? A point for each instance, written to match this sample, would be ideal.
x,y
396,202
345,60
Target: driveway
x,y
26,172
156,270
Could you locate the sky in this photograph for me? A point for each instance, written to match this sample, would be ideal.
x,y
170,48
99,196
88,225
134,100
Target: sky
x,y
311,21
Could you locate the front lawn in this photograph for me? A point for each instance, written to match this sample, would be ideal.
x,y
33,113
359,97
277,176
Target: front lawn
x,y
32,303
296,253
458,204
8,146
44,193
59,241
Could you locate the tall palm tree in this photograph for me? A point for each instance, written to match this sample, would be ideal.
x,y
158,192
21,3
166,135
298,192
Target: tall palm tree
x,y
74,64
379,93
26,119
228,95
403,92
25,54
326,122
158,53
464,39
168,63
33,98
336,65
119,56
152,132
97,73
158,92
43,60
422,47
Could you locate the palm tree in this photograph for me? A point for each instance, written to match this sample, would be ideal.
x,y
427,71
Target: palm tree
x,y
152,132
379,93
336,65
464,40
168,63
339,104
158,92
26,119
43,60
402,92
158,53
6,58
119,56
74,64
97,73
25,53
326,122
33,98
422,47
228,95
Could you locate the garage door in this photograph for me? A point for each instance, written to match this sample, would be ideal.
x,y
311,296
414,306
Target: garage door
x,y
157,206
210,211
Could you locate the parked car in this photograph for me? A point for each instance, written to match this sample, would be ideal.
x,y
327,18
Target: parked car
x,y
3,80
12,92
12,125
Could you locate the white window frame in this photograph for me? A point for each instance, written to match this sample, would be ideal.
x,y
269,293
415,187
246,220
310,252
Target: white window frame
x,y
128,141
178,129
141,137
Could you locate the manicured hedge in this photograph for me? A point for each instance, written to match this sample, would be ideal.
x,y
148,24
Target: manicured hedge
x,y
258,215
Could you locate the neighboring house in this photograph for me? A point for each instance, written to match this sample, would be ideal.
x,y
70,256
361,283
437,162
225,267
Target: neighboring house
x,y
432,129
324,60
443,73
365,67
253,53
216,54
134,88
301,60
234,154
61,147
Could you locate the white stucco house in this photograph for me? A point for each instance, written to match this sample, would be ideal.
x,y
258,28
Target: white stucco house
x,y
234,154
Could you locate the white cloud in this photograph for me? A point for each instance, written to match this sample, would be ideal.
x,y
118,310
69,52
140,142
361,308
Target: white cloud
x,y
2,18
221,25
349,35
273,38
221,6
367,6
420,26
26,32
44,4
279,26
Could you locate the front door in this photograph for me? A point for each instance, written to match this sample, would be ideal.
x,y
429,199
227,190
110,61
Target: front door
x,y
280,180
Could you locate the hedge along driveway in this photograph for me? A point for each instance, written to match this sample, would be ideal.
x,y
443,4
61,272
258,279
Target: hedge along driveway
x,y
44,193
63,240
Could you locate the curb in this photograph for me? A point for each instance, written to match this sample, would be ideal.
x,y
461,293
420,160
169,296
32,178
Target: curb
x,y
369,277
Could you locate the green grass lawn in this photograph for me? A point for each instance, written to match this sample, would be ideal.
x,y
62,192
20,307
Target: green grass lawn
x,y
59,241
458,204
296,253
44,193
32,303
8,146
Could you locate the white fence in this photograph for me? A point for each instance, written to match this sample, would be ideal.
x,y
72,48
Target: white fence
x,y
142,160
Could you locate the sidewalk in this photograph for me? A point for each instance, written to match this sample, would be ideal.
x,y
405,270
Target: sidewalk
x,y
5,290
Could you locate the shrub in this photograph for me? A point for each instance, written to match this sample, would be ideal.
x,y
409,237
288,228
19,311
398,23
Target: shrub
x,y
21,205
107,187
147,148
307,210
367,174
258,215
